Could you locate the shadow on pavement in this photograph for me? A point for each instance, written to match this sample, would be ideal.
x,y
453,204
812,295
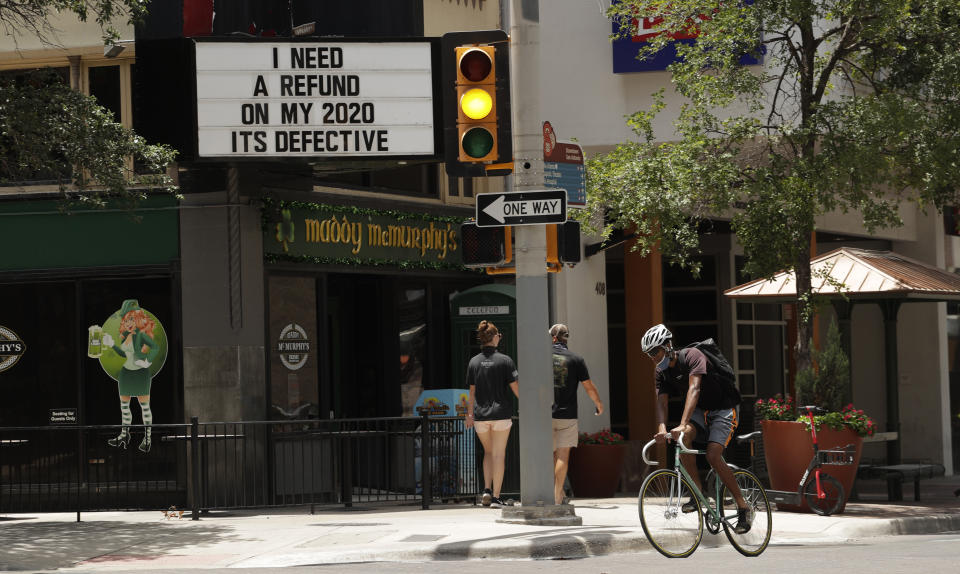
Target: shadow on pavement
x,y
567,542
51,545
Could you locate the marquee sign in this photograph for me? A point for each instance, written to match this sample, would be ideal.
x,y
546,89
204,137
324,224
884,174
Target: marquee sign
x,y
314,99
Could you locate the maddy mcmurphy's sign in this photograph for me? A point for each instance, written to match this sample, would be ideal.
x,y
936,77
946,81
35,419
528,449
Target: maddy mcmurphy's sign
x,y
318,233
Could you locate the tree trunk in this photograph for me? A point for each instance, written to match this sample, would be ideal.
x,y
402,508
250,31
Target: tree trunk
x,y
805,307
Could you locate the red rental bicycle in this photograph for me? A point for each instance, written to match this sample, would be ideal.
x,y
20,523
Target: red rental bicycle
x,y
823,493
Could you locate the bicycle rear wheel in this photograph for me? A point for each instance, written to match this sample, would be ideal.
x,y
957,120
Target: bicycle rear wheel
x,y
755,541
832,489
674,533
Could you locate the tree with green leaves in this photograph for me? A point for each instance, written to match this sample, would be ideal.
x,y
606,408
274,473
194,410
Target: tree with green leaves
x,y
855,109
50,131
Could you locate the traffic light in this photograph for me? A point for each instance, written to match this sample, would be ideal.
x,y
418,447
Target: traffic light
x,y
485,246
563,244
492,247
476,103
568,239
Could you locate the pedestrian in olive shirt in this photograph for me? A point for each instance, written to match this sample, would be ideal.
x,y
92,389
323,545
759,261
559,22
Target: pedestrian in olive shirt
x,y
569,372
491,376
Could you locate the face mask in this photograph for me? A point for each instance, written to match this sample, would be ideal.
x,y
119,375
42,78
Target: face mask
x,y
664,363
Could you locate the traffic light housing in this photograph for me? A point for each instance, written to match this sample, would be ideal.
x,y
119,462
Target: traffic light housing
x,y
492,247
563,244
476,103
485,246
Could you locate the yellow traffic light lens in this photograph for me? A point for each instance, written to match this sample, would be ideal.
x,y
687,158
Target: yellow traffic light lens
x,y
476,104
477,142
476,65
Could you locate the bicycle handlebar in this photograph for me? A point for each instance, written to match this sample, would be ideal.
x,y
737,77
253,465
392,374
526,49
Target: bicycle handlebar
x,y
644,453
683,449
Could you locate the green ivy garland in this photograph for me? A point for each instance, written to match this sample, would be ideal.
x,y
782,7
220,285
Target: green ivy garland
x,y
269,208
367,262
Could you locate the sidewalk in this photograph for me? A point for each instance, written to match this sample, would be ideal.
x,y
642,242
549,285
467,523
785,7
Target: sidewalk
x,y
127,541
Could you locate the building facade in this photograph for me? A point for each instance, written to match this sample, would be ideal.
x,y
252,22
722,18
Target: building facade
x,y
589,87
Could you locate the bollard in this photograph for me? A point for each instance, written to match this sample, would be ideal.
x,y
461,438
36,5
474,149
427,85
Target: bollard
x,y
195,467
426,490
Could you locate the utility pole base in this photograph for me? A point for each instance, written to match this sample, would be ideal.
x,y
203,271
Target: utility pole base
x,y
552,515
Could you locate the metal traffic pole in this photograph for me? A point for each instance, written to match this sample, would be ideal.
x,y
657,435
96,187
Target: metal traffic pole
x,y
533,345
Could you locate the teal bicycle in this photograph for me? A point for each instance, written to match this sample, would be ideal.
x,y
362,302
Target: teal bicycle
x,y
676,534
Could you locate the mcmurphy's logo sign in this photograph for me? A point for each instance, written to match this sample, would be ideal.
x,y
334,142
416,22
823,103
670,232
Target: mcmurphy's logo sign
x,y
11,348
338,234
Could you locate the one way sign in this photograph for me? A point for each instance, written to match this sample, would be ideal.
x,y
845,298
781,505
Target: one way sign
x,y
534,207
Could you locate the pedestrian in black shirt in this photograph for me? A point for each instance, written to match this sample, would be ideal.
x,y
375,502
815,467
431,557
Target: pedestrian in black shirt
x,y
491,376
569,371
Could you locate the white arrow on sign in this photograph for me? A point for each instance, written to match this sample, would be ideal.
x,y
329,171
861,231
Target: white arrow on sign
x,y
501,209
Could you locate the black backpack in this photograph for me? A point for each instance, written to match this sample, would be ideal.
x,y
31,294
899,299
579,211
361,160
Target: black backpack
x,y
722,369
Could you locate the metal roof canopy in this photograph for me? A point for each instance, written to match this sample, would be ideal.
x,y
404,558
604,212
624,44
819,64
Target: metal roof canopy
x,y
857,275
848,276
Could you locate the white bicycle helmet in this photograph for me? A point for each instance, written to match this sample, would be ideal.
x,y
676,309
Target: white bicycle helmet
x,y
656,336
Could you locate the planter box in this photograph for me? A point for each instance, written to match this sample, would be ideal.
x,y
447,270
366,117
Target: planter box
x,y
788,449
595,469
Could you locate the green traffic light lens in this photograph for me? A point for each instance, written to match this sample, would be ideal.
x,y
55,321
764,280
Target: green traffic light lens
x,y
477,142
475,65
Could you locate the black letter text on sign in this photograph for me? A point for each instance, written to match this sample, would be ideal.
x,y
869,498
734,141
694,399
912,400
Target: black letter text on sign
x,y
521,208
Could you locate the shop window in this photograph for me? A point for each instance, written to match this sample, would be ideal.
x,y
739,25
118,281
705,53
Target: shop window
x,y
617,339
412,340
104,85
761,357
691,303
54,168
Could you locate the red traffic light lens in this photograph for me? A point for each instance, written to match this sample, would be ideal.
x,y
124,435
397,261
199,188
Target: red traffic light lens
x,y
475,65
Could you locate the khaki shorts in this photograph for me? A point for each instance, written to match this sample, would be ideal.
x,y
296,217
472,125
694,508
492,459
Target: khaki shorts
x,y
565,433
497,425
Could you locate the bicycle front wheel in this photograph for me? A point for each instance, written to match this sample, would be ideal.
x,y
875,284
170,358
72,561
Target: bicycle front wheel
x,y
832,490
673,532
754,541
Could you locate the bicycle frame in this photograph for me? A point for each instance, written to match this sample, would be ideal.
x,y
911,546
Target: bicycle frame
x,y
680,448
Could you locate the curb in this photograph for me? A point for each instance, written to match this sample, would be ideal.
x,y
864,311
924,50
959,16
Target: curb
x,y
595,542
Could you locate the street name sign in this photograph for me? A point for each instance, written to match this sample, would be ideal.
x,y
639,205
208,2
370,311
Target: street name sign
x,y
534,207
563,167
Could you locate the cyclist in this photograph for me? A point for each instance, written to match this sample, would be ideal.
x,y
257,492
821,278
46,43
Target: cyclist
x,y
708,408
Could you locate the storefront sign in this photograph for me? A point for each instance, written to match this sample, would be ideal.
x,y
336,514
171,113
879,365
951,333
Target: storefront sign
x,y
625,50
11,348
294,346
314,99
335,234
66,416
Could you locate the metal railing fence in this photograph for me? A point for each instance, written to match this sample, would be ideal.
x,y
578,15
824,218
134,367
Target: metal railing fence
x,y
220,465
